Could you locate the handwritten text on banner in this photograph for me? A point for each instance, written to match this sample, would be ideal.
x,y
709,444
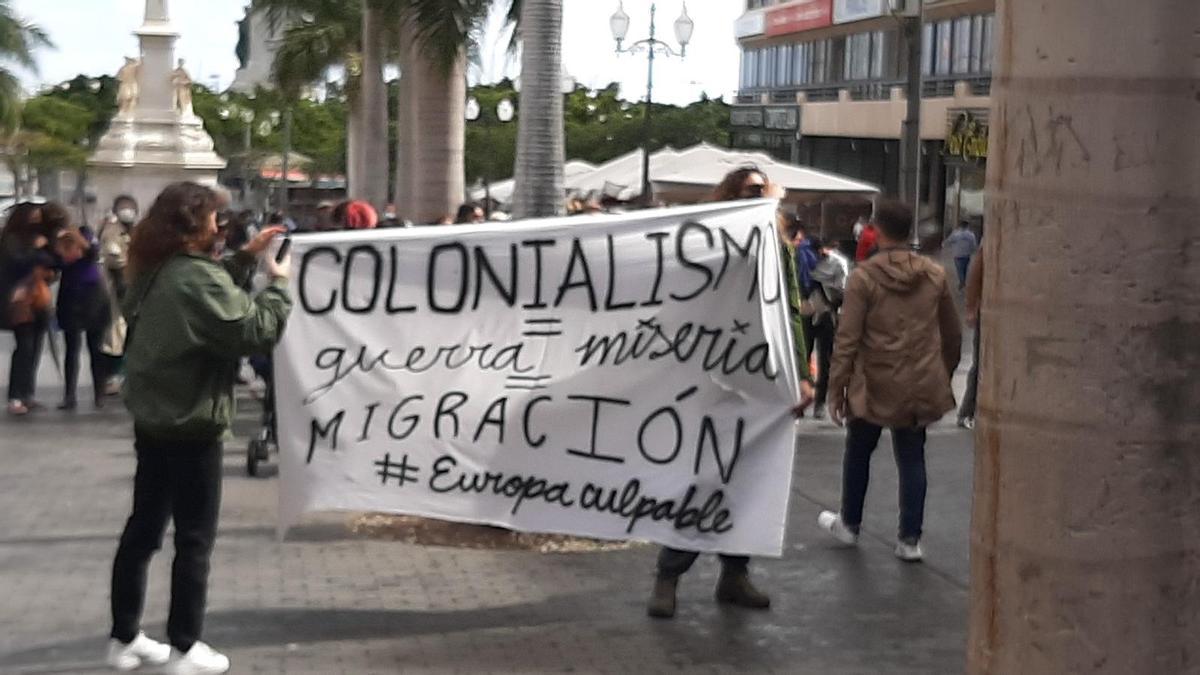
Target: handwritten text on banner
x,y
623,377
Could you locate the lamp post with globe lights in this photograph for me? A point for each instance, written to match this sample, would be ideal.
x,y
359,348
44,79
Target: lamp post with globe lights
x,y
653,47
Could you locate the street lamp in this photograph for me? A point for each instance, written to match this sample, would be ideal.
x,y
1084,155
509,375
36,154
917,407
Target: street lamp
x,y
505,112
684,27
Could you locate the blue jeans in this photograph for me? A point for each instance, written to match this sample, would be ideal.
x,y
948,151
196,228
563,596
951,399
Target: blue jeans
x,y
909,448
962,265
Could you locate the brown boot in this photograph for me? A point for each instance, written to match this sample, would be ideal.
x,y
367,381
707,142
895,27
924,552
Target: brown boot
x,y
662,600
735,588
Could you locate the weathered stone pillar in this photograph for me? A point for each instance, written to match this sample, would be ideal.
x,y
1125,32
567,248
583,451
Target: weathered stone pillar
x,y
1086,532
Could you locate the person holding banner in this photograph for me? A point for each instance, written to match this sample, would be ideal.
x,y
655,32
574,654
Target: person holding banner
x,y
734,586
898,344
189,324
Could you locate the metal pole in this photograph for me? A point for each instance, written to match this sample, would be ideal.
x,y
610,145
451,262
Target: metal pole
x,y
246,140
910,183
287,151
647,196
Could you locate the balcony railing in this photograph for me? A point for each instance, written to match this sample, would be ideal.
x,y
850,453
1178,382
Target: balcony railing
x,y
873,90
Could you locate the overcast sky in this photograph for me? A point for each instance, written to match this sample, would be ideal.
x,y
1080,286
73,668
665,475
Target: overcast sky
x,y
92,36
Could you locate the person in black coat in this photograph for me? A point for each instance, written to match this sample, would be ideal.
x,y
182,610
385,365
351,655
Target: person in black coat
x,y
83,312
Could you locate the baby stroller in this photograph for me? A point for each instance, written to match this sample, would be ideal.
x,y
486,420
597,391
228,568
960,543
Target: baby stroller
x,y
265,441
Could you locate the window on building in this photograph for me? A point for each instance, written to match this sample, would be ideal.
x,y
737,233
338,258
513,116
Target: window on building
x,y
800,60
962,46
820,62
944,48
976,65
927,32
858,57
987,53
881,44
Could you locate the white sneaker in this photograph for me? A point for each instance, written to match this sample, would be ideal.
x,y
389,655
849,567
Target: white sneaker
x,y
909,552
832,523
199,660
142,651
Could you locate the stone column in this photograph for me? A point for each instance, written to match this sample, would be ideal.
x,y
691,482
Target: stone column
x,y
1086,531
157,39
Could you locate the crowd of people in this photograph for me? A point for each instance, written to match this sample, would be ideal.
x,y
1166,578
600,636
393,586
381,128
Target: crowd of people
x,y
163,304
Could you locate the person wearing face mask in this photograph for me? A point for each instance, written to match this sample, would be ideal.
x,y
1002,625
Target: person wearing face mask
x,y
114,239
734,586
189,323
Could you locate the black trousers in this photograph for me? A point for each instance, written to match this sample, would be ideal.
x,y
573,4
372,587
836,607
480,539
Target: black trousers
x,y
22,377
179,481
909,448
822,334
74,339
672,562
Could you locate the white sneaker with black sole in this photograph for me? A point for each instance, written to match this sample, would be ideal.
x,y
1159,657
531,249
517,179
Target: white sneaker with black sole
x,y
909,552
142,651
199,660
832,523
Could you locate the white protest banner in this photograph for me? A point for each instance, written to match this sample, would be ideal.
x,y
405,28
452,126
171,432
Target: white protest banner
x,y
622,377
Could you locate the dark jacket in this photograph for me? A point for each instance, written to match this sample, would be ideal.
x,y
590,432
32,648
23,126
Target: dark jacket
x,y
82,295
17,261
188,325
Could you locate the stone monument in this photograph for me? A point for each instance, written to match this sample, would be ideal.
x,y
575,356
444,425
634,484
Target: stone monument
x,y
155,138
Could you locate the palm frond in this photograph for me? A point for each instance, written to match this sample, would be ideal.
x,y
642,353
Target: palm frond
x,y
19,39
444,28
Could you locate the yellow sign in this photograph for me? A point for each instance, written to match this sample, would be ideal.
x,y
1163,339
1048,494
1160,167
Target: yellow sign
x,y
967,137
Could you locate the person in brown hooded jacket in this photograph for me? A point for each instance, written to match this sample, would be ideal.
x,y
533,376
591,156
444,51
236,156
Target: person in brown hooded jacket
x,y
897,346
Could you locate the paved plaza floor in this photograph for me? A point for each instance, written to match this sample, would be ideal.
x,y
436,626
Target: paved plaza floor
x,y
328,600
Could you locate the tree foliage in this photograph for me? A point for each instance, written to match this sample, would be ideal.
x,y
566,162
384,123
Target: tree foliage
x,y
19,39
600,126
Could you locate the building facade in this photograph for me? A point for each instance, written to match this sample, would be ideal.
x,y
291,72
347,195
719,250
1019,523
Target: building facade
x,y
822,83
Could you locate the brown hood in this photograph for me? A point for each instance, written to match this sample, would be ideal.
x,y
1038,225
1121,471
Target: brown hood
x,y
900,271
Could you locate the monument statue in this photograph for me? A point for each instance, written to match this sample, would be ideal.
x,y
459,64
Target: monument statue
x,y
127,92
157,139
182,82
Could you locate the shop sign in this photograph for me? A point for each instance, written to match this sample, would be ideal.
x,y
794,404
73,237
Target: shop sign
x,y
782,118
967,135
800,16
845,11
746,117
750,24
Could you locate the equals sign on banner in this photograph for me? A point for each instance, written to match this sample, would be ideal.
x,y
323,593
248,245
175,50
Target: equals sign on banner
x,y
526,382
543,328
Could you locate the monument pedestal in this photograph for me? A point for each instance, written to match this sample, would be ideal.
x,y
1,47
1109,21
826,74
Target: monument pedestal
x,y
154,143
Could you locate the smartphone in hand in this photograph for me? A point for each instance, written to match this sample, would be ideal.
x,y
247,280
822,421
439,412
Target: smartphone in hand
x,y
284,248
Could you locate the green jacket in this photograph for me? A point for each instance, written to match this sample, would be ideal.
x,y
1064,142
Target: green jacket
x,y
799,339
189,325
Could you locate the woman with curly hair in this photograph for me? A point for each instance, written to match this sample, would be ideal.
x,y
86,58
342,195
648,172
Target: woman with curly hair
x,y
189,324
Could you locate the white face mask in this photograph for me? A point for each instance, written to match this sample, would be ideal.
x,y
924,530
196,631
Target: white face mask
x,y
127,216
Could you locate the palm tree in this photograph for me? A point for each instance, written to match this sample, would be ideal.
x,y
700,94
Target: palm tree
x,y
320,35
540,135
18,41
430,176
429,37
372,157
